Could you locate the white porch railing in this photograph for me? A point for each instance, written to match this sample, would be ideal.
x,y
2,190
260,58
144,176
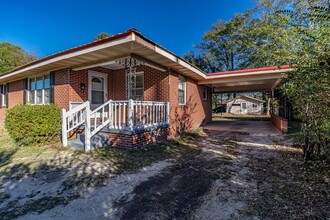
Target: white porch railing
x,y
73,119
138,115
127,115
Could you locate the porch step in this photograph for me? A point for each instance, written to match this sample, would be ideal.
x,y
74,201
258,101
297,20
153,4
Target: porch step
x,y
97,141
76,144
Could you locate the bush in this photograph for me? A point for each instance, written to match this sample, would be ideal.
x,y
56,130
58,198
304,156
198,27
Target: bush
x,y
34,124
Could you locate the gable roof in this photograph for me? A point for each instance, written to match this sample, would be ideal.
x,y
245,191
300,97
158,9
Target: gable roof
x,y
242,97
118,46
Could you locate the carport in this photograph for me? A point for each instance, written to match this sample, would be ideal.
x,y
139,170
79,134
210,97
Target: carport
x,y
264,79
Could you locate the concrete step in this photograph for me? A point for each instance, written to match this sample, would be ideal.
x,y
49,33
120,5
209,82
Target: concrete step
x,y
77,144
97,141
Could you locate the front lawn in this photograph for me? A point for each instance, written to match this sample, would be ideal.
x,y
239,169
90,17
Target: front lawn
x,y
21,160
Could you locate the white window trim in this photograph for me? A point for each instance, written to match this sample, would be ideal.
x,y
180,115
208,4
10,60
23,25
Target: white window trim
x,y
184,90
204,90
137,73
3,96
35,91
73,103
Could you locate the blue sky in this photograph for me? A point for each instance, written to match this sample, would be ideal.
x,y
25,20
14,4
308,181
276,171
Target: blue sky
x,y
46,27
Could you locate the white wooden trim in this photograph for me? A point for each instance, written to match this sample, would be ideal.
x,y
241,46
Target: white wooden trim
x,y
35,90
185,89
3,95
64,129
179,61
70,55
97,74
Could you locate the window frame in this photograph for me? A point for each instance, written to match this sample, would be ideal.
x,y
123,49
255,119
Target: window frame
x,y
141,73
102,82
36,90
4,93
183,81
204,92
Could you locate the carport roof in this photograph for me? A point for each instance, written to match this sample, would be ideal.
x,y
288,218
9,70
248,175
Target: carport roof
x,y
248,80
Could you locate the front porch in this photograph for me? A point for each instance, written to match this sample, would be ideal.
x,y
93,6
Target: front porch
x,y
123,102
128,123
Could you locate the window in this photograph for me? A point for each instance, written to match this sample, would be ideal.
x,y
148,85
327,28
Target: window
x,y
255,105
39,90
3,95
137,87
205,93
97,90
182,90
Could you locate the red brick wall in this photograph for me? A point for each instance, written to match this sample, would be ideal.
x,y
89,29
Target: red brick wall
x,y
158,85
195,112
155,84
67,85
280,123
15,97
62,88
15,94
140,140
118,83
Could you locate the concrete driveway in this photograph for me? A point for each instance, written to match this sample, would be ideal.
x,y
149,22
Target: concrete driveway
x,y
252,127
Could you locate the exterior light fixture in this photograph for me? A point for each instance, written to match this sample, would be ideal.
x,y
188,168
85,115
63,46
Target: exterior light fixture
x,y
82,86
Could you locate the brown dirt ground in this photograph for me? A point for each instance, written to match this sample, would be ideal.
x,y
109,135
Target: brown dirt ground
x,y
216,175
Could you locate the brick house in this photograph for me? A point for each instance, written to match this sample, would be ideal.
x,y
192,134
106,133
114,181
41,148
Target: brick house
x,y
125,87
126,90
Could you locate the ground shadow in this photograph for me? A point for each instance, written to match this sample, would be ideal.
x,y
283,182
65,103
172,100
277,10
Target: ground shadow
x,y
271,181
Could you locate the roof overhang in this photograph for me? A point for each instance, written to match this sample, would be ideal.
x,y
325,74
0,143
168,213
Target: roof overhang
x,y
133,44
250,80
129,44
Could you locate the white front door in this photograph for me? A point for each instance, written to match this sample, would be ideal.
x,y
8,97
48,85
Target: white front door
x,y
97,88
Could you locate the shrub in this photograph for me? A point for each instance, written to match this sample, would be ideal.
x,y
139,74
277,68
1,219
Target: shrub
x,y
34,124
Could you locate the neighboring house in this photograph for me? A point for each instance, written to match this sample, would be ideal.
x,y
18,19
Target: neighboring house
x,y
129,88
245,105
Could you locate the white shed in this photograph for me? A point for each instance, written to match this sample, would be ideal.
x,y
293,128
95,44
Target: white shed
x,y
245,105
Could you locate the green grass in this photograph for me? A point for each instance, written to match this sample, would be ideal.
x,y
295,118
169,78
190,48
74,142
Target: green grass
x,y
19,160
13,157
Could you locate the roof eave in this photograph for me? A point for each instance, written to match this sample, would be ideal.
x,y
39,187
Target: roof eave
x,y
130,36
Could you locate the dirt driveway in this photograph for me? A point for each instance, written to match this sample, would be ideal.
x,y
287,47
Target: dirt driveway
x,y
256,128
224,175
